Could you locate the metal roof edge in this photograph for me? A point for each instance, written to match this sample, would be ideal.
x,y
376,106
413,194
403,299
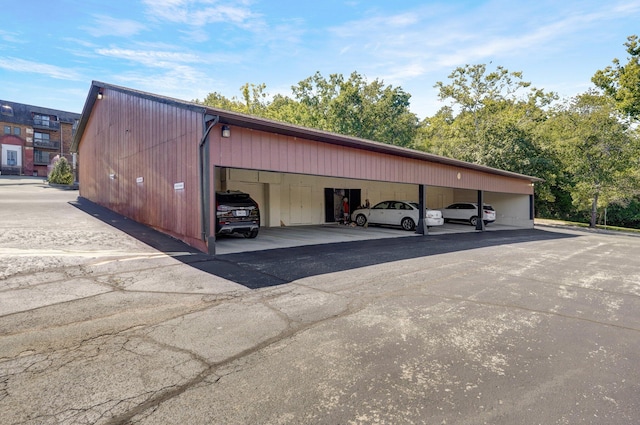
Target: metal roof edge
x,y
84,117
41,109
92,97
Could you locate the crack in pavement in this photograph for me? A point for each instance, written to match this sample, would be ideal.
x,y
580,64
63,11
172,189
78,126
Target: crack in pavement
x,y
293,328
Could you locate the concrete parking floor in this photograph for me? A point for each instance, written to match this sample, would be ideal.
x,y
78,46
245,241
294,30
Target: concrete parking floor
x,y
289,237
98,326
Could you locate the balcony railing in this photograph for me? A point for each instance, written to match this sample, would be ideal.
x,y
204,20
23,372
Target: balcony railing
x,y
46,124
42,158
10,170
46,144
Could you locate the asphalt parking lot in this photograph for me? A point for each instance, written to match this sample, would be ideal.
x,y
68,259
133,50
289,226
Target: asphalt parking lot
x,y
103,321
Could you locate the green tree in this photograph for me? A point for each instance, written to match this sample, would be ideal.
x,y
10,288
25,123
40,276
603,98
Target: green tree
x,y
439,134
489,121
472,88
373,111
598,150
217,100
61,172
622,82
356,107
625,215
314,95
254,100
353,106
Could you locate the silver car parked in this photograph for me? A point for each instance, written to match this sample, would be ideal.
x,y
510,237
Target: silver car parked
x,y
468,211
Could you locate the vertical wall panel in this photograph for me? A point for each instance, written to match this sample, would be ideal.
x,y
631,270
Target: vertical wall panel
x,y
133,137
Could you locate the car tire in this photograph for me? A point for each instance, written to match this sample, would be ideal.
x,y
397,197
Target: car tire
x,y
252,234
474,221
361,220
407,224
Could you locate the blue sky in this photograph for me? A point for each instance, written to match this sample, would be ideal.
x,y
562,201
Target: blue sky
x,y
50,51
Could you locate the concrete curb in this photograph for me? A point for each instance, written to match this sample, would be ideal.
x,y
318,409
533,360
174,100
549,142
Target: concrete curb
x,y
73,186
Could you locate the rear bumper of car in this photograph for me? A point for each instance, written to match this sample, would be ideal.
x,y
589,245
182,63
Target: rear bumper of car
x,y
489,218
228,228
434,221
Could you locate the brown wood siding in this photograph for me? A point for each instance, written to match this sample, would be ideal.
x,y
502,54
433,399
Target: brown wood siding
x,y
132,137
259,150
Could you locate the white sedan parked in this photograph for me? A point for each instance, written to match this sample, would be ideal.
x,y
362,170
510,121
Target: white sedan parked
x,y
396,213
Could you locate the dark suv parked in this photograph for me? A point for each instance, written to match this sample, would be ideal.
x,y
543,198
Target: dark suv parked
x,y
236,212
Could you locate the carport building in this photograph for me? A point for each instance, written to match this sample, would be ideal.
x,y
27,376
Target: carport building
x,y
159,161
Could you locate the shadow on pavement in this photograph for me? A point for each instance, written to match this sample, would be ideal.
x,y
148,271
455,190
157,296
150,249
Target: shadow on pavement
x,y
259,269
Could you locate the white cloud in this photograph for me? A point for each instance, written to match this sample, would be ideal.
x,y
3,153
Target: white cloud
x,y
416,42
107,26
627,8
25,66
547,36
202,20
197,35
161,59
166,58
180,82
79,42
199,12
11,37
401,73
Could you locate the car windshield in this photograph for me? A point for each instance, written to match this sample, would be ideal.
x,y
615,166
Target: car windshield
x,y
234,199
233,196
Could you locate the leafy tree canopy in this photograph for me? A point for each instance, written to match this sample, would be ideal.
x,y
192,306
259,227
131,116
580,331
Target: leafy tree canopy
x,y
351,106
488,122
597,149
622,82
471,87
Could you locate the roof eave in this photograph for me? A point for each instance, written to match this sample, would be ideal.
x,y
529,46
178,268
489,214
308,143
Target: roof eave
x,y
89,102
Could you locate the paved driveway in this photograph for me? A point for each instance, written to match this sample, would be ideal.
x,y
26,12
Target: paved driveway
x,y
519,327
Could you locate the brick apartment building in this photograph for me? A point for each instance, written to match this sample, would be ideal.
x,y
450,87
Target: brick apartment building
x,y
32,136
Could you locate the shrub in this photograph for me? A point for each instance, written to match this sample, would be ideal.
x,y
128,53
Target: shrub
x,y
61,172
625,216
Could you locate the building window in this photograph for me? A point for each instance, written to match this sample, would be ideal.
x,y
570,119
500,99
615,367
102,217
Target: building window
x,y
6,110
7,129
41,137
12,158
42,120
41,157
16,131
